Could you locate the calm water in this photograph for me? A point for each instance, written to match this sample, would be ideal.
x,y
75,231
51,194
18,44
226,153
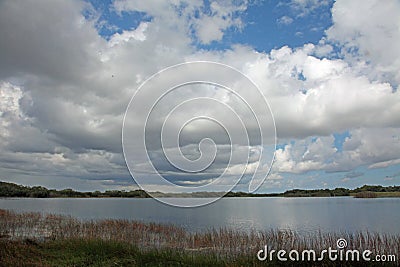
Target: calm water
x,y
299,214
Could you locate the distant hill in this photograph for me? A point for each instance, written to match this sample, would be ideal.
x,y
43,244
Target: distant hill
x,y
368,191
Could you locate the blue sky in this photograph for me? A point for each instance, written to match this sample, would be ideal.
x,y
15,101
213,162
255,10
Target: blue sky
x,y
271,26
330,74
267,24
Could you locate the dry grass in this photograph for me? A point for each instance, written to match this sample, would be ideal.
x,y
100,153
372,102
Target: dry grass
x,y
375,194
366,194
388,194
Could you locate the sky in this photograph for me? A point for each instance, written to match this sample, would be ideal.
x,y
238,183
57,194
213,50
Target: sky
x,y
330,71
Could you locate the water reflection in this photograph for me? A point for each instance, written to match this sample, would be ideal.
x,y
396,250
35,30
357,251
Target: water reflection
x,y
298,214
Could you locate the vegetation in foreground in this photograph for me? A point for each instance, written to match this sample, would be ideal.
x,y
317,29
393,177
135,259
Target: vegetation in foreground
x,y
366,191
34,239
92,252
81,252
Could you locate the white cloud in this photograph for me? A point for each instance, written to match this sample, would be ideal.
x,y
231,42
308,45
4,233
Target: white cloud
x,y
223,16
370,147
304,7
305,155
285,20
333,97
370,34
384,164
208,23
374,147
137,34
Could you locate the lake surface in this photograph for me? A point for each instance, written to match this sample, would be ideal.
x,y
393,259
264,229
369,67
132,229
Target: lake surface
x,y
299,214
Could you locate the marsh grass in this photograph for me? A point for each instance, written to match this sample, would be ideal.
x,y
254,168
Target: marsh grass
x,y
366,194
133,242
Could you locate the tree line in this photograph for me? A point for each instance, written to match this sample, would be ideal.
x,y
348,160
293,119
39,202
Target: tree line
x,y
15,190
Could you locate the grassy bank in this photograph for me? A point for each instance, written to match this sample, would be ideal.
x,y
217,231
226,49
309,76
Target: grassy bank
x,y
83,252
33,239
92,252
368,194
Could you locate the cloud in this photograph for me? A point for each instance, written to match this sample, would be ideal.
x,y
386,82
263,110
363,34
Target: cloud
x,y
223,16
305,7
307,94
353,174
371,147
305,155
208,22
56,45
368,147
384,164
125,36
64,88
285,20
370,34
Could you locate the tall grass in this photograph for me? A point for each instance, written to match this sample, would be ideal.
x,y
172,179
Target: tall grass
x,y
366,194
223,243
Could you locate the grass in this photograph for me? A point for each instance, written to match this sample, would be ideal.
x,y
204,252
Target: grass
x,y
367,194
82,252
388,194
33,239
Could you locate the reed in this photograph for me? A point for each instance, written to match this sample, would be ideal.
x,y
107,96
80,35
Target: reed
x,y
222,244
366,194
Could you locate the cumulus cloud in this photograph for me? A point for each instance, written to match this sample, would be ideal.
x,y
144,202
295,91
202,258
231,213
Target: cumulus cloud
x,y
125,36
371,147
208,22
211,27
64,88
305,155
370,34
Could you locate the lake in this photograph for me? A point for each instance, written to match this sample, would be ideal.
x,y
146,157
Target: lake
x,y
303,215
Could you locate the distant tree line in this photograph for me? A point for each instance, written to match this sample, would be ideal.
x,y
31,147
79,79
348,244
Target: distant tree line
x,y
363,191
377,188
14,190
337,192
